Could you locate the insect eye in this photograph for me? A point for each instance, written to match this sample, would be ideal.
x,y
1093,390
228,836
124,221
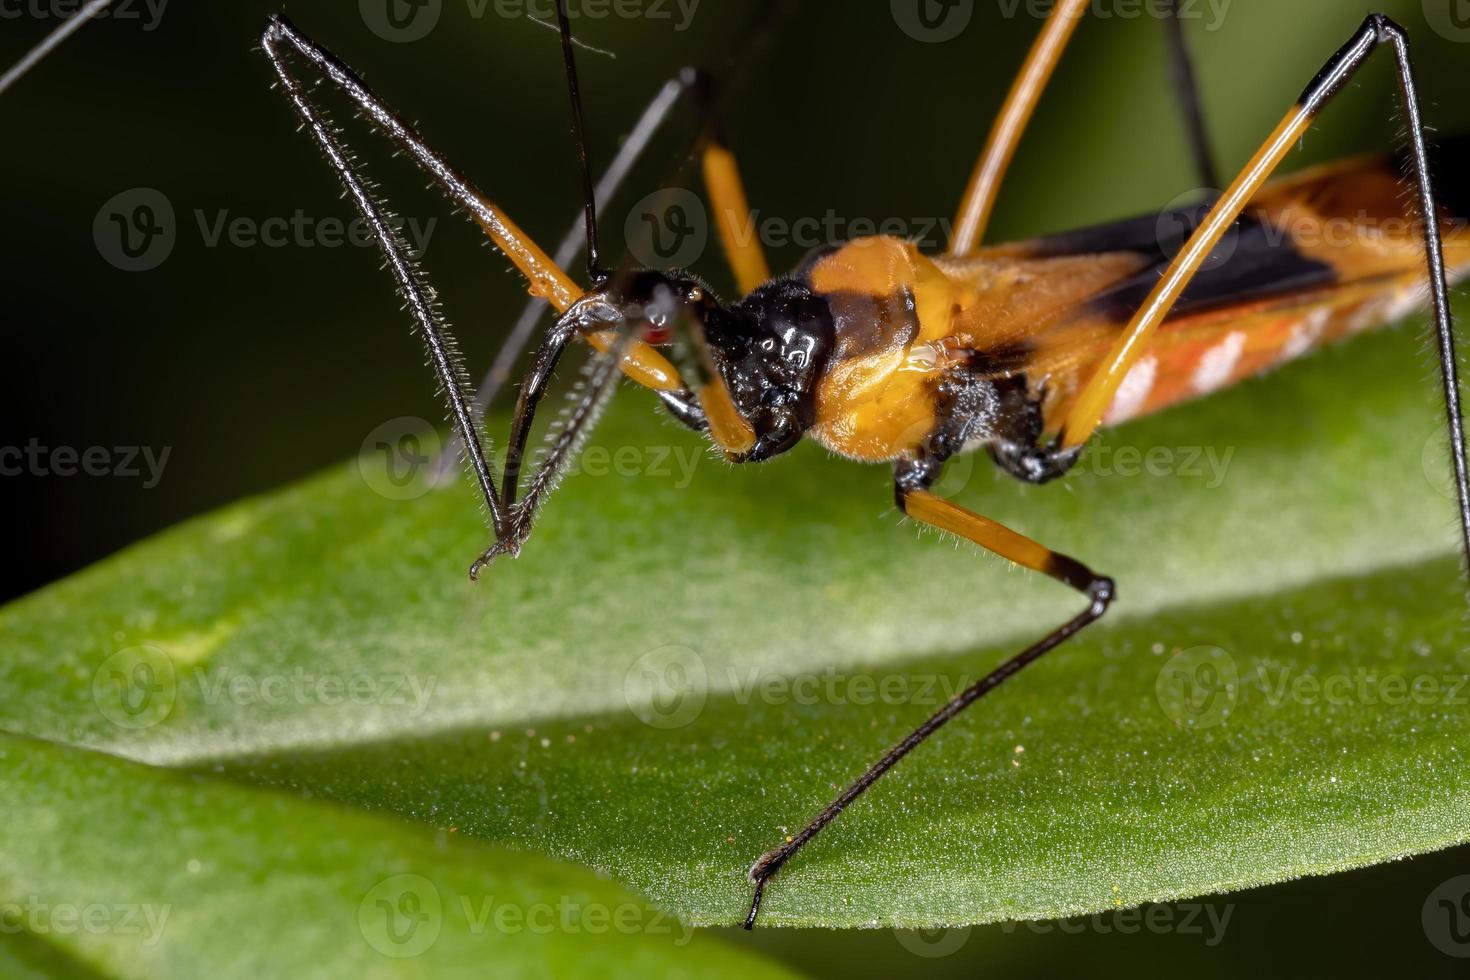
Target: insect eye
x,y
655,334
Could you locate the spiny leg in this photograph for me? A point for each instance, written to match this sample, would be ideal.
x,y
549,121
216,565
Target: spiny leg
x,y
727,196
567,249
410,284
545,278
1186,89
742,247
912,482
1087,412
638,360
707,404
590,398
747,261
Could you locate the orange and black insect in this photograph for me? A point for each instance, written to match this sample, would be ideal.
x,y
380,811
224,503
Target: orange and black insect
x,y
883,354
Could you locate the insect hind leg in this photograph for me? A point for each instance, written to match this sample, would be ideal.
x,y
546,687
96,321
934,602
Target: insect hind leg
x,y
1378,31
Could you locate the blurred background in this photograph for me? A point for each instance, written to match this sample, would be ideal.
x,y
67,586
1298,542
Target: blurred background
x,y
186,318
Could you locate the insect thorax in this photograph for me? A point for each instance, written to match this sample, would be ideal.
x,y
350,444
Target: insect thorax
x,y
900,380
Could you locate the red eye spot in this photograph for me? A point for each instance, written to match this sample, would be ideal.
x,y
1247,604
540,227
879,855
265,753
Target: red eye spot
x,y
655,334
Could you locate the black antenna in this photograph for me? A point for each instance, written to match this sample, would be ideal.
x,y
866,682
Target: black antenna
x,y
589,196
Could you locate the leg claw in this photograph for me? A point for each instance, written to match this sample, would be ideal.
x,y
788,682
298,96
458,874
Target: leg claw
x,y
509,546
759,874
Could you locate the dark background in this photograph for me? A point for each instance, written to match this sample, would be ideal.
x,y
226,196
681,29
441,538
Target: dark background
x,y
256,365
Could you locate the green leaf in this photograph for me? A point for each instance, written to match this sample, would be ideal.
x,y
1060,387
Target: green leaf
x,y
133,871
681,669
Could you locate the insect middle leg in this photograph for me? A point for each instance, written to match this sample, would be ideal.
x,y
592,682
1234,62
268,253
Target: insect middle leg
x,y
1020,104
1186,89
912,479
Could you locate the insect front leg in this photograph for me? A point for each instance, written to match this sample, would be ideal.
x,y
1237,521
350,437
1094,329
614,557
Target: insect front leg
x,y
546,278
1010,125
742,248
629,153
409,280
912,479
681,402
706,405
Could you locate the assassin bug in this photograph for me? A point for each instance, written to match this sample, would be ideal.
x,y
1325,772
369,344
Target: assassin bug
x,y
882,354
